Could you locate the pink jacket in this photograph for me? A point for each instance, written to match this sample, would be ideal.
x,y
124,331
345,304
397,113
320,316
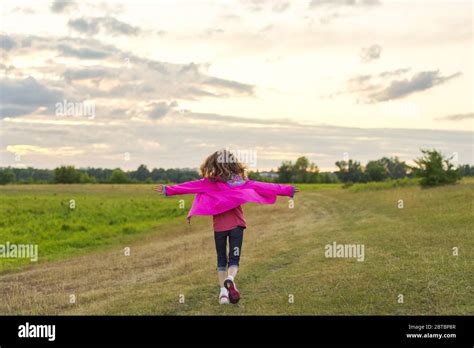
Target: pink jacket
x,y
215,197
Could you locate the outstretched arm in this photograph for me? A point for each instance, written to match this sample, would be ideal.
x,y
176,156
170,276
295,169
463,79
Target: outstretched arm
x,y
276,189
190,187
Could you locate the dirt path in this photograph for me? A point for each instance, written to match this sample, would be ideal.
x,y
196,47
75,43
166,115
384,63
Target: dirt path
x,y
159,268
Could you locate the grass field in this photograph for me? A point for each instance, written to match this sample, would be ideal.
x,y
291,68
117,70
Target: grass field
x,y
408,251
101,215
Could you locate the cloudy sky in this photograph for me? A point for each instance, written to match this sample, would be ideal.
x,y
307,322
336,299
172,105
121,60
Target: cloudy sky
x,y
165,83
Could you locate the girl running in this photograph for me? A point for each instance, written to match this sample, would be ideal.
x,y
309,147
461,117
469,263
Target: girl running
x,y
220,193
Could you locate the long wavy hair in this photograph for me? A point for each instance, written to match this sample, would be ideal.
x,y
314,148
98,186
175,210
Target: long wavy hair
x,y
222,165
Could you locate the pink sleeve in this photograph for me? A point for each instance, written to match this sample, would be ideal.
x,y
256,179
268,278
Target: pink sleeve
x,y
276,189
190,187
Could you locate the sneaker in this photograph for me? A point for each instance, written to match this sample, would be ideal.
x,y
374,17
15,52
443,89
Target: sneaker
x,y
224,297
234,294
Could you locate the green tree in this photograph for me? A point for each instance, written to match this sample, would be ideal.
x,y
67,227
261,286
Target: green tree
x,y
350,171
6,176
66,175
286,172
395,169
85,178
119,177
301,169
158,174
254,175
376,170
305,171
327,178
466,170
141,174
434,169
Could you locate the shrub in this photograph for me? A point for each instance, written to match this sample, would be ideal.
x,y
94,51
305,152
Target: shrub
x,y
434,169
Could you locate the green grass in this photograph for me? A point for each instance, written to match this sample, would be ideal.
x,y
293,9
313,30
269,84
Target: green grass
x,y
408,251
383,185
103,215
312,187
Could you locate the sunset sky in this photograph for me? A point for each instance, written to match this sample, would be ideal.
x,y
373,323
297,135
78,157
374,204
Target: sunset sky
x,y
173,81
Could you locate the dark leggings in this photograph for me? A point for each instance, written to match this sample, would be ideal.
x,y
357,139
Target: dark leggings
x,y
236,237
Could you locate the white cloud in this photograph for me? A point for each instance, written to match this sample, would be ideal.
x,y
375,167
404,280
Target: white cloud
x,y
184,140
143,64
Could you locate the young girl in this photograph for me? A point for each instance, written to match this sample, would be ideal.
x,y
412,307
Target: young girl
x,y
220,193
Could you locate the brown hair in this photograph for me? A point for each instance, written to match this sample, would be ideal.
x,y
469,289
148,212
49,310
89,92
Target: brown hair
x,y
222,165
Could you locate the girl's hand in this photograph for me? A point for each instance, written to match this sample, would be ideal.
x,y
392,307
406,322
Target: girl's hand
x,y
297,189
159,189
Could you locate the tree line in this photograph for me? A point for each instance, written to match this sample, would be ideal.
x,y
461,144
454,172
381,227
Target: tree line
x,y
432,168
72,175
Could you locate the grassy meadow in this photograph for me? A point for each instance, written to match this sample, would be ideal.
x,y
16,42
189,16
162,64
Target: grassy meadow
x,y
408,251
100,215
